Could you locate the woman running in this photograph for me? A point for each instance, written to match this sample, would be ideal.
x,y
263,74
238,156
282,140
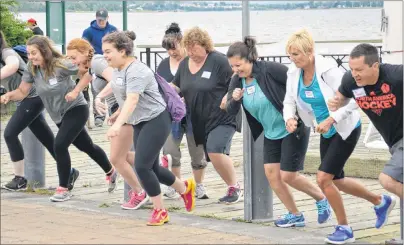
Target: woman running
x,y
51,74
143,107
259,86
28,114
171,150
95,68
203,79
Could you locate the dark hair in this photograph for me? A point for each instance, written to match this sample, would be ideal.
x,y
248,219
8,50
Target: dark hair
x,y
172,37
368,51
246,49
122,40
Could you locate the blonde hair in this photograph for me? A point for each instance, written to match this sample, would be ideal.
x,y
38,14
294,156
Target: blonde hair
x,y
198,36
301,40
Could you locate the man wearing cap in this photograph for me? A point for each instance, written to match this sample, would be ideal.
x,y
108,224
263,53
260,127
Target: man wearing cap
x,y
98,29
34,27
94,34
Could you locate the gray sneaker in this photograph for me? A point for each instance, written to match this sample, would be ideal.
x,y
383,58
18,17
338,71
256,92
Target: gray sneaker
x,y
61,195
200,192
233,195
112,181
98,122
171,193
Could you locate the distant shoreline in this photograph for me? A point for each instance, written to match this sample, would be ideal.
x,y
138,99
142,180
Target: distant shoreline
x,y
179,11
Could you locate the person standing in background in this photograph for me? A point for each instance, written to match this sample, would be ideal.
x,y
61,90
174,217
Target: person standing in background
x,y
94,34
33,25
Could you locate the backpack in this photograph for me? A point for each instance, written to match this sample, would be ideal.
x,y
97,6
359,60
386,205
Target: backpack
x,y
21,50
174,103
175,106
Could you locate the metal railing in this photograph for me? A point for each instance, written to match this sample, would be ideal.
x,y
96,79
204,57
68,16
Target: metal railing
x,y
153,57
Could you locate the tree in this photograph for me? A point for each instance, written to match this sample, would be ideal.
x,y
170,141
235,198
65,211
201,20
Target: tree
x,y
15,30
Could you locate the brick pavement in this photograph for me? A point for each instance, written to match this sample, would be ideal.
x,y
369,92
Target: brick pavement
x,y
44,224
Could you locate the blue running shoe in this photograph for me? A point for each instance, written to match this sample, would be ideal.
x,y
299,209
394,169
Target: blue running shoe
x,y
290,220
324,211
383,210
340,236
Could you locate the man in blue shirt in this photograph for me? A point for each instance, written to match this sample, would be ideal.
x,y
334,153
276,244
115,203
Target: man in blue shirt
x,y
94,34
98,29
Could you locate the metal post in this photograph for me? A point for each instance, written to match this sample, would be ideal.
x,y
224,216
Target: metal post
x,y
257,196
246,18
125,15
47,19
148,57
63,27
34,159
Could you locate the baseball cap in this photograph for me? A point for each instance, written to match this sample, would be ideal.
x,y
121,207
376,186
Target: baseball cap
x,y
101,14
33,21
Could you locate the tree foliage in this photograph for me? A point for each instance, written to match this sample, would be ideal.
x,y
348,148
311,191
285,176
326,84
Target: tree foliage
x,y
15,30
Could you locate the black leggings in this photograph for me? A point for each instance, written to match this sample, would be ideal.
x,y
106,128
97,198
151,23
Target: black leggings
x,y
148,139
28,114
71,131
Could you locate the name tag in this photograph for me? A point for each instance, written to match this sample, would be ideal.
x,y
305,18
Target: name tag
x,y
119,81
359,92
309,94
250,89
53,81
206,74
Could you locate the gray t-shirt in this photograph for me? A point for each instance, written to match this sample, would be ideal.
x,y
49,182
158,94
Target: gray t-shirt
x,y
138,78
13,82
98,65
53,90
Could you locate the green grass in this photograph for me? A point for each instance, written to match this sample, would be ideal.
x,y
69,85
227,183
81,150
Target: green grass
x,y
104,205
355,167
211,216
174,208
39,191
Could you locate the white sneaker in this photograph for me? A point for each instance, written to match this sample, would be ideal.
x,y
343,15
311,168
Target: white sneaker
x,y
171,193
200,192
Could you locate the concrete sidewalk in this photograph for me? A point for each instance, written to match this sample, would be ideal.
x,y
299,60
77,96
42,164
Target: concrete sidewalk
x,y
29,218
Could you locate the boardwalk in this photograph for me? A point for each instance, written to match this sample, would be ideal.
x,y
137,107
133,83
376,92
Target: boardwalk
x,y
91,186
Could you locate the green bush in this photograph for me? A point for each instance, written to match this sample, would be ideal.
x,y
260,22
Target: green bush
x,y
14,29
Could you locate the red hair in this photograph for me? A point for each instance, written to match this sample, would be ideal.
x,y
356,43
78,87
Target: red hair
x,y
82,46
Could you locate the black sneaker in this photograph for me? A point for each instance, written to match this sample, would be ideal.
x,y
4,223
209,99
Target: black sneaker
x,y
74,174
18,183
233,195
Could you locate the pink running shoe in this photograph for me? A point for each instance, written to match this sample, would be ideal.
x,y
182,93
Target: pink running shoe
x,y
166,161
136,200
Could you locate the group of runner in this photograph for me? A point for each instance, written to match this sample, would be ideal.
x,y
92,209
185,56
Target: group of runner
x,y
283,103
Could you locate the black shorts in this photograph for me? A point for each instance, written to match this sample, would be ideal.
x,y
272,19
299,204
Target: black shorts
x,y
335,151
219,140
289,151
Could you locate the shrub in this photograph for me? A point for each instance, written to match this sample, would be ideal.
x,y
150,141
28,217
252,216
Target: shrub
x,y
14,29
